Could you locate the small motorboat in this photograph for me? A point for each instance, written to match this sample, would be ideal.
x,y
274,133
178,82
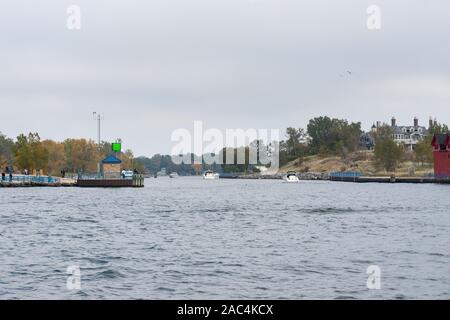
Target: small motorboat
x,y
291,176
173,175
127,174
210,175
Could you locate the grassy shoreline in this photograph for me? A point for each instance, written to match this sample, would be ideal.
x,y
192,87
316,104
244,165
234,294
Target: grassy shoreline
x,y
362,161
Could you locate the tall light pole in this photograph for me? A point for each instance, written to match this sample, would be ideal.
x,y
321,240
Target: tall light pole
x,y
98,118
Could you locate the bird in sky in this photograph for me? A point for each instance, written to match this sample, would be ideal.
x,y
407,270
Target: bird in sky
x,y
347,73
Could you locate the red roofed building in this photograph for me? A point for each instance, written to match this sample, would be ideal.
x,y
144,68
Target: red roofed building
x,y
441,151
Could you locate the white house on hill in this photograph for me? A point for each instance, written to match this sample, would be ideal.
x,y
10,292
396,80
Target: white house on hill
x,y
409,136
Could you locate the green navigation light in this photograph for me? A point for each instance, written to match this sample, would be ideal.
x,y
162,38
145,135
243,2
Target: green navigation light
x,y
116,147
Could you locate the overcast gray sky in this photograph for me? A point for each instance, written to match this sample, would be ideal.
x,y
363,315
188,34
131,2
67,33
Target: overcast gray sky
x,y
154,66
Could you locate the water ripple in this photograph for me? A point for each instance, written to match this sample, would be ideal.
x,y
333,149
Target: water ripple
x,y
230,239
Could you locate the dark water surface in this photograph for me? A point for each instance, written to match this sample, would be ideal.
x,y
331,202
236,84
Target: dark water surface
x,y
187,238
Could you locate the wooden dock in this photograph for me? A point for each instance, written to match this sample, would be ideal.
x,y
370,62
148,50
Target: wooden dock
x,y
364,179
23,181
136,182
48,181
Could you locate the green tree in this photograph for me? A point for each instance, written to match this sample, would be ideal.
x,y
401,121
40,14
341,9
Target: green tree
x,y
320,131
6,151
424,151
56,157
333,136
437,127
293,140
82,155
295,147
30,153
388,154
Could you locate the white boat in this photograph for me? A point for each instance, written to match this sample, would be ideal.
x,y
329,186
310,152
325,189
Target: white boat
x,y
210,175
162,173
291,176
173,175
127,174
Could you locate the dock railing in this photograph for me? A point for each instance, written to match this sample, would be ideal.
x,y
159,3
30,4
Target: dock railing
x,y
23,179
98,176
345,175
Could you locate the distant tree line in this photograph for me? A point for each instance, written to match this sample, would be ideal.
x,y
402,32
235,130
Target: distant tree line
x,y
337,137
29,152
323,136
156,163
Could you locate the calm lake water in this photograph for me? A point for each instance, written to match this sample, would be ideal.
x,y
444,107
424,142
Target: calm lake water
x,y
187,238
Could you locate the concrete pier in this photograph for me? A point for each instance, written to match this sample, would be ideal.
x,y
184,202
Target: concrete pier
x,y
364,179
136,182
18,181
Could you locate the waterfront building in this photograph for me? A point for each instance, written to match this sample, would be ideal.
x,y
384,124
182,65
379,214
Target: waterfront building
x,y
367,141
111,167
409,135
441,153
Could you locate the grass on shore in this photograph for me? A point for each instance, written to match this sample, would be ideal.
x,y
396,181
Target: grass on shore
x,y
362,161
